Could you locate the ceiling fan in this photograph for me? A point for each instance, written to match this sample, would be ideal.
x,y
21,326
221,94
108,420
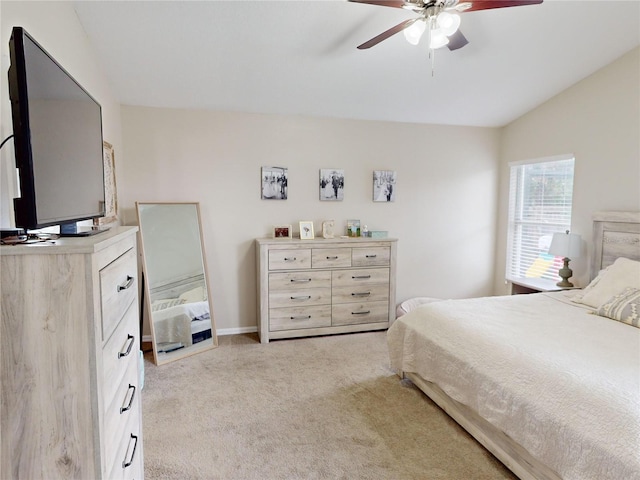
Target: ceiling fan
x,y
437,17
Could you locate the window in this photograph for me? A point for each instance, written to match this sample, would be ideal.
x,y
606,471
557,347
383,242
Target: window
x,y
540,194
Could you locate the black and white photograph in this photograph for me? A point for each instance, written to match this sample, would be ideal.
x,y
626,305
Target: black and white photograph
x,y
274,183
331,184
384,185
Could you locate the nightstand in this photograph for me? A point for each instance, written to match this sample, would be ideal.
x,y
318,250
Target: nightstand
x,y
533,285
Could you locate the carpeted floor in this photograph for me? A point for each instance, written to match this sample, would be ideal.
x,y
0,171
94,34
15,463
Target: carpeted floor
x,y
315,408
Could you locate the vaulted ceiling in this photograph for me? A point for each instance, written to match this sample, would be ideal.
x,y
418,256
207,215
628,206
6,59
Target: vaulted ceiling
x,y
300,57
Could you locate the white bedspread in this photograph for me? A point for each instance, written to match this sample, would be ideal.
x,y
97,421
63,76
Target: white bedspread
x,y
192,310
563,383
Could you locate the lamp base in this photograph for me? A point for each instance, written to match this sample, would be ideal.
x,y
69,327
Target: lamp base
x,y
565,273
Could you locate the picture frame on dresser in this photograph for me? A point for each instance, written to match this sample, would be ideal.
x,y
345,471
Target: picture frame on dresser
x,y
306,230
110,192
281,231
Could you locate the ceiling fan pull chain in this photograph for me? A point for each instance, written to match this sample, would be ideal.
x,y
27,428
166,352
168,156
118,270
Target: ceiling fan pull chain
x,y
432,54
432,51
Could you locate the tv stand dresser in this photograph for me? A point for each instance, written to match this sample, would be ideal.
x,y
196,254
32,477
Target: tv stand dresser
x,y
70,359
324,286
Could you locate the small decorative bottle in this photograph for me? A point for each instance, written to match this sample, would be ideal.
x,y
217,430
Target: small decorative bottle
x,y
365,231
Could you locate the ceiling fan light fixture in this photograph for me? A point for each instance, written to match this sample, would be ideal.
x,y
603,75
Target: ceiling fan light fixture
x,y
437,39
448,22
414,32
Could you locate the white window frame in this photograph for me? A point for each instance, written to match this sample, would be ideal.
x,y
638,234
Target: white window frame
x,y
528,231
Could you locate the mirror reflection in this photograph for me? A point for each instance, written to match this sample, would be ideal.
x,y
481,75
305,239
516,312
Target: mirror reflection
x,y
176,282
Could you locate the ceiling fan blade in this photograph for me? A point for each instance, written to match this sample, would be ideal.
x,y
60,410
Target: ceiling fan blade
x,y
487,4
382,3
384,35
456,41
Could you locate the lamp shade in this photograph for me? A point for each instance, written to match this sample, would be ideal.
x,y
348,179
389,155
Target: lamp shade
x,y
566,245
448,23
414,32
438,39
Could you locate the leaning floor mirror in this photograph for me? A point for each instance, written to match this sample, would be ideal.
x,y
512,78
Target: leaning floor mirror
x,y
177,291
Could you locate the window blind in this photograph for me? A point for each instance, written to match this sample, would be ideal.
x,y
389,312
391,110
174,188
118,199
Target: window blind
x,y
540,200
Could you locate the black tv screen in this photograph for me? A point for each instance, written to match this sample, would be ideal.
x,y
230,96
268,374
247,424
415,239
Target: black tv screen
x,y
57,128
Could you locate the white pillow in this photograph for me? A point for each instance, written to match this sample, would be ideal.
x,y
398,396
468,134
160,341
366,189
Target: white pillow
x,y
193,295
623,307
611,281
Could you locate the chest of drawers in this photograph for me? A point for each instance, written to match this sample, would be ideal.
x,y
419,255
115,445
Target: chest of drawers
x,y
324,286
70,373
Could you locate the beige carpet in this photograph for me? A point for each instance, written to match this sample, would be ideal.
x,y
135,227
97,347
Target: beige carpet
x,y
316,408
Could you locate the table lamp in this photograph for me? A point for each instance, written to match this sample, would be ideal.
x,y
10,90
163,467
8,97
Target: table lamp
x,y
566,245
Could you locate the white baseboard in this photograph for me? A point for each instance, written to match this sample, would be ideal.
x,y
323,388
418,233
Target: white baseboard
x,y
221,332
235,331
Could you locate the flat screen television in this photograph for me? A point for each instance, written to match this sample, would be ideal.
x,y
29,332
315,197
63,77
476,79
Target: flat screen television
x,y
57,128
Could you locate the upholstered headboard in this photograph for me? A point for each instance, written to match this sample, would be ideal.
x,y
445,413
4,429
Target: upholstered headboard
x,y
175,288
615,234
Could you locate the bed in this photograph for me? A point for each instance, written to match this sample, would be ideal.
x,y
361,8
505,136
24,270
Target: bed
x,y
551,388
180,311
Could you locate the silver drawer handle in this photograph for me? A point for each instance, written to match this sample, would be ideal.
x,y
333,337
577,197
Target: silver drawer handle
x,y
335,257
361,294
361,313
302,297
301,317
131,388
361,277
126,464
131,340
289,259
126,284
300,280
371,256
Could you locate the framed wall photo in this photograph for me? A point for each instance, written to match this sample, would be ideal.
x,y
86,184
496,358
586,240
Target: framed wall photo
x,y
306,230
384,185
331,184
110,193
274,183
282,231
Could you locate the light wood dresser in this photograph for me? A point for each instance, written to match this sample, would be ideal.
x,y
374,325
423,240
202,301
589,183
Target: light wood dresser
x,y
70,359
324,286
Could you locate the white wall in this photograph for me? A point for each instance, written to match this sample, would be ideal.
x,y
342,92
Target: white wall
x,y
447,211
55,26
598,120
443,216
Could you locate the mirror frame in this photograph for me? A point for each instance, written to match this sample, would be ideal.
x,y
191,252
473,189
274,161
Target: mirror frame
x,y
193,349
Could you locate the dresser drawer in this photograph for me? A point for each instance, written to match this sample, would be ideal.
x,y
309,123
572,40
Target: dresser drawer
x,y
299,317
118,413
300,298
299,280
125,460
119,353
118,289
289,259
360,293
352,277
331,257
370,256
353,313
